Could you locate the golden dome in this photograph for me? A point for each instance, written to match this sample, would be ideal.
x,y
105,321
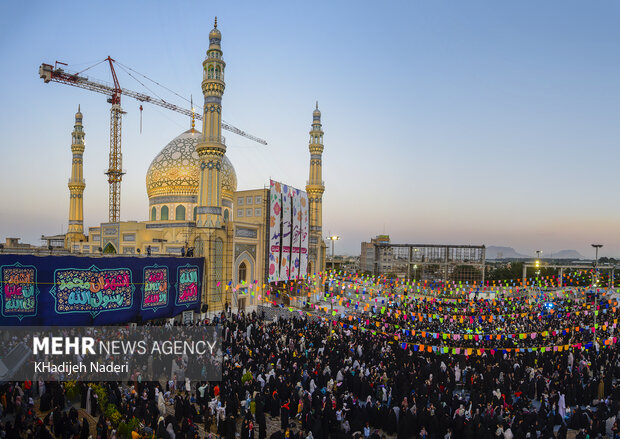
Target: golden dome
x,y
215,33
176,169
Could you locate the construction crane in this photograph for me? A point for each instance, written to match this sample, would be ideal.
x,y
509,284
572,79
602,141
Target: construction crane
x,y
115,172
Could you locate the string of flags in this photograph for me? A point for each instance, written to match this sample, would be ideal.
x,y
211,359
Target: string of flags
x,y
340,288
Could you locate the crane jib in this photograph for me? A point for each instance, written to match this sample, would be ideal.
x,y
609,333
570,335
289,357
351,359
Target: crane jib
x,y
50,73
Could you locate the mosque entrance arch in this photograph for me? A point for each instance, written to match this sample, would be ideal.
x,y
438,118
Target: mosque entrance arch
x,y
243,277
109,249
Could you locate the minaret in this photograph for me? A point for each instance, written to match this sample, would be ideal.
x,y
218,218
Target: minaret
x,y
75,232
315,189
213,235
212,147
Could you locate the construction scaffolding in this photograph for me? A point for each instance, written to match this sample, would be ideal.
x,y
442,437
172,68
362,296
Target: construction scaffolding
x,y
431,262
602,275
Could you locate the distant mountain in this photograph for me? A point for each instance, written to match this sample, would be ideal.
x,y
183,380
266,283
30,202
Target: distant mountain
x,y
567,254
497,252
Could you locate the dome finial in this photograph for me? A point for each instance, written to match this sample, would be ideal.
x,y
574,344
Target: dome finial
x,y
79,108
215,35
316,114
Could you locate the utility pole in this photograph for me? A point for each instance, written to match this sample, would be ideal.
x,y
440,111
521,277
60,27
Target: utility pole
x,y
332,238
331,298
537,264
596,247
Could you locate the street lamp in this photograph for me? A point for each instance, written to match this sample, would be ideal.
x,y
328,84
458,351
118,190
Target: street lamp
x,y
413,257
596,247
537,265
333,239
595,275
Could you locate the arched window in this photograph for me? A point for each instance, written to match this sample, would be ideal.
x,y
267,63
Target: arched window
x,y
153,214
243,269
164,213
180,212
210,72
226,215
195,215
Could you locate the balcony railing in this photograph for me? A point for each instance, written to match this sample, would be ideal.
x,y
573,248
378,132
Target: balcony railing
x,y
215,139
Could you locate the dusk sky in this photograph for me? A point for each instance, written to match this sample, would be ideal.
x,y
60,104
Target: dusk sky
x,y
474,122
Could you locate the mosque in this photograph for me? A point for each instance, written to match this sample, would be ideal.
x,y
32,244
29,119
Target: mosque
x,y
195,206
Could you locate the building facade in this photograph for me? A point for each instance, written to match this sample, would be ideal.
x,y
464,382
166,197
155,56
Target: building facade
x,y
367,256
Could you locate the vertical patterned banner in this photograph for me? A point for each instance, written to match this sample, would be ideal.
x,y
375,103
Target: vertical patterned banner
x,y
287,230
188,285
305,227
296,237
275,211
155,288
19,290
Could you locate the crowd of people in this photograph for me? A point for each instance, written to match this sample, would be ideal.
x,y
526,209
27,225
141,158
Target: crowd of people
x,y
309,376
478,323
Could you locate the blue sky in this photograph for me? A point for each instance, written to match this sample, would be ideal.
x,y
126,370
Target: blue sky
x,y
472,122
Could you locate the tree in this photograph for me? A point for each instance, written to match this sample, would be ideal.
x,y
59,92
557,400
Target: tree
x,y
512,270
466,273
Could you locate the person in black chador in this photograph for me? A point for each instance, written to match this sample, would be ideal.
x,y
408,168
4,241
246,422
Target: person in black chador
x,y
85,430
275,404
260,416
284,414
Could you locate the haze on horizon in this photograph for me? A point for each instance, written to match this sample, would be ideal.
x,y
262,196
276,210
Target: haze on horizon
x,y
467,123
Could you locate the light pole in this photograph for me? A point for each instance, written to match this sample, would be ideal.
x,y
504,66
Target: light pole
x,y
415,266
333,239
596,247
537,264
538,253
